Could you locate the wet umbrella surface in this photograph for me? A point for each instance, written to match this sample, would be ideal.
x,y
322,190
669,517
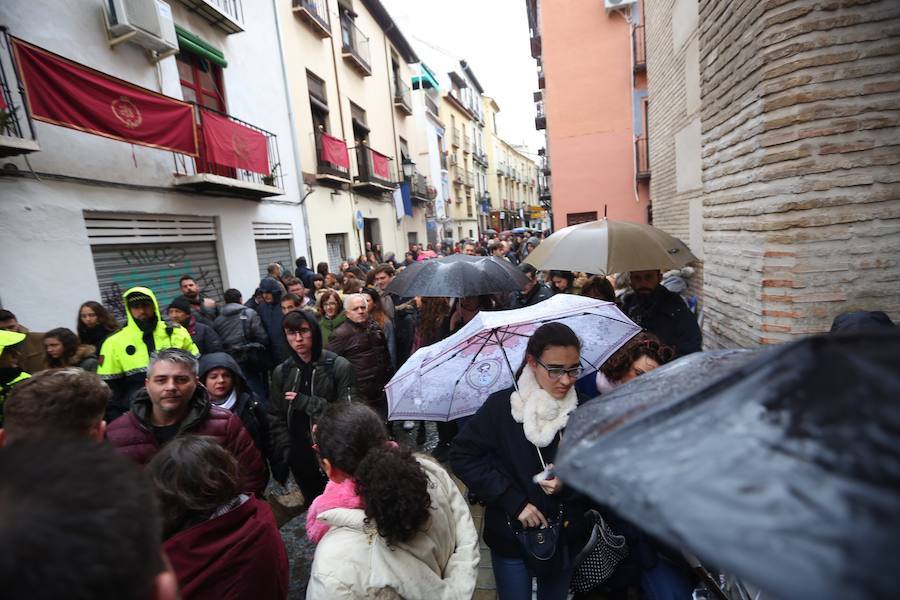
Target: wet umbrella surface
x,y
458,276
780,466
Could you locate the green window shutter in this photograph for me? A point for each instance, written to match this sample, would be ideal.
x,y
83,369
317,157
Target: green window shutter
x,y
197,45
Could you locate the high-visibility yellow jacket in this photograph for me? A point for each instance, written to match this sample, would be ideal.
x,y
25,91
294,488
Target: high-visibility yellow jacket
x,y
7,387
124,353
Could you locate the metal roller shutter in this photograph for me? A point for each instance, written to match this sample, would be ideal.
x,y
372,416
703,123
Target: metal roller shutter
x,y
269,251
137,250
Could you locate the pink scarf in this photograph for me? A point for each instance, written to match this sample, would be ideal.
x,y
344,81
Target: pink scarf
x,y
336,495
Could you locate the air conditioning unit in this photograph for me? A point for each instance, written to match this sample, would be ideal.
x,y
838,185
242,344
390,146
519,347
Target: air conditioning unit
x,y
147,23
618,4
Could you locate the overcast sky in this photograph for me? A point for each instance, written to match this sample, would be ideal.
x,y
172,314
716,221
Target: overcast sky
x,y
492,35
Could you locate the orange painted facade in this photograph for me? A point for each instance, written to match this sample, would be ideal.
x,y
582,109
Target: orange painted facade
x,y
592,90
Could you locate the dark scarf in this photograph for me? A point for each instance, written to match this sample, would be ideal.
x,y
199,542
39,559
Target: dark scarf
x,y
148,327
94,336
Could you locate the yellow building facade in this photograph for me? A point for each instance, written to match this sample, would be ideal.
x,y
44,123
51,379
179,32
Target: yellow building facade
x,y
349,75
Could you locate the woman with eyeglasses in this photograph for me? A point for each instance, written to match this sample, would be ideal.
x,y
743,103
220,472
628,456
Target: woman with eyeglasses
x,y
331,313
505,455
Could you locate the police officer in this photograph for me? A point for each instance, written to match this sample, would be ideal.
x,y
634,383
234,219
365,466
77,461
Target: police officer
x,y
126,353
10,371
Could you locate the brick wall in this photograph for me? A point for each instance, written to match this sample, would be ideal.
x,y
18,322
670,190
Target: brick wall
x,y
800,126
801,165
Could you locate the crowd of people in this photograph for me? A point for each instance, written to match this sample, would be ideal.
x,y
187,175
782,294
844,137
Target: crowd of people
x,y
213,399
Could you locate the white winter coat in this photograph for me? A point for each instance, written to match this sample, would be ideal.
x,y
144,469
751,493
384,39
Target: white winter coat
x,y
439,563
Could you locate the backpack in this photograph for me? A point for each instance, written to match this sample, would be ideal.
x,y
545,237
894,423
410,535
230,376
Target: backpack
x,y
250,354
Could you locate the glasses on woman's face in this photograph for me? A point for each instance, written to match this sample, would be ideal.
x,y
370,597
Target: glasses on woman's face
x,y
557,372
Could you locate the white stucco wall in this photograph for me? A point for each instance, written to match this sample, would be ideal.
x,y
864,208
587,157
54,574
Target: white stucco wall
x,y
44,249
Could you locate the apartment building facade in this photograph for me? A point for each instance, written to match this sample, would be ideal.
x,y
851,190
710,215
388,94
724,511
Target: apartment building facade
x,y
512,181
161,155
350,77
592,102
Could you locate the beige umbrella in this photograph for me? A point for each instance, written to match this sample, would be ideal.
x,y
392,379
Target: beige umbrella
x,y
605,246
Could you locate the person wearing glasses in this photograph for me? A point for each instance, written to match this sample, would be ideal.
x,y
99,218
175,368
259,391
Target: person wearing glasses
x,y
505,455
331,313
301,388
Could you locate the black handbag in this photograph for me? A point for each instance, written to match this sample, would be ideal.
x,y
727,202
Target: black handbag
x,y
598,559
544,549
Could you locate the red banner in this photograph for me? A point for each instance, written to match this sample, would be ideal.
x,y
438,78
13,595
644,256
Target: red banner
x,y
228,143
334,152
65,93
381,167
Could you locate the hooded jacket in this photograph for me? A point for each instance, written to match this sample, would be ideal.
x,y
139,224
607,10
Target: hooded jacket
x,y
271,317
125,353
132,435
125,356
247,407
85,358
332,380
440,562
237,555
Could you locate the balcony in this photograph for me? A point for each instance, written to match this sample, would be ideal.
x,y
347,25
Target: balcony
x,y
204,176
403,98
227,15
355,47
455,138
373,171
420,190
541,81
468,178
315,14
332,160
467,144
640,49
16,128
501,168
480,157
453,159
540,120
432,103
458,176
642,159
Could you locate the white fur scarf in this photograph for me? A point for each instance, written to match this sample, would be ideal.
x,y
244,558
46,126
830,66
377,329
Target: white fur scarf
x,y
540,414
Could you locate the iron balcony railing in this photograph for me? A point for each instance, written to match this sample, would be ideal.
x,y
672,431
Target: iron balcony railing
x,y
227,15
325,166
14,119
187,166
365,172
540,119
468,178
403,96
316,10
467,143
432,103
418,187
456,139
640,48
642,157
355,44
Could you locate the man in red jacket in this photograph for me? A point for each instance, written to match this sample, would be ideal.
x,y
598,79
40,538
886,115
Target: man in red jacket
x,y
172,404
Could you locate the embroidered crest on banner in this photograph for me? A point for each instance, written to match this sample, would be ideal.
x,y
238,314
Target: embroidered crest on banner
x,y
126,111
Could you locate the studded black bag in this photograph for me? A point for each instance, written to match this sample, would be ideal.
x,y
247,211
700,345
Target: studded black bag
x,y
598,559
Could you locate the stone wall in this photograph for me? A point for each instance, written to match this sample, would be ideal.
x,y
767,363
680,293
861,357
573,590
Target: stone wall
x,y
673,69
801,165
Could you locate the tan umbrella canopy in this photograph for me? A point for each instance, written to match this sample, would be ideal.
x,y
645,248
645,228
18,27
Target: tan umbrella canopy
x,y
605,247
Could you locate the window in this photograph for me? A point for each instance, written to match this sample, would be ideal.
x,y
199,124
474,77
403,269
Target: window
x,y
201,81
360,129
318,102
404,151
347,36
582,217
395,71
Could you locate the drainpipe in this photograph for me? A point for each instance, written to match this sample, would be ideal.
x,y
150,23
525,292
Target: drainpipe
x,y
294,145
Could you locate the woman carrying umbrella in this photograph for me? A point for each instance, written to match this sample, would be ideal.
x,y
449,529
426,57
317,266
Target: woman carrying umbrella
x,y
503,455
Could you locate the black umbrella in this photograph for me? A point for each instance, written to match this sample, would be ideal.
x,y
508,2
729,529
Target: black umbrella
x,y
781,467
458,276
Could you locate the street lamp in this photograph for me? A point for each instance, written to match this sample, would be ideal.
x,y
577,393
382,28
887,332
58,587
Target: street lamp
x,y
409,167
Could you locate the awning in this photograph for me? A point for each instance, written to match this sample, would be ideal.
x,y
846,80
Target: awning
x,y
197,45
65,93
